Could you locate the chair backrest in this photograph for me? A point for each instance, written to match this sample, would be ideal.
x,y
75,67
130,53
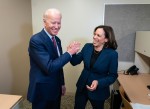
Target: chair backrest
x,y
125,102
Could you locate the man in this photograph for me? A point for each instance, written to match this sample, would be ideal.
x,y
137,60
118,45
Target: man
x,y
46,82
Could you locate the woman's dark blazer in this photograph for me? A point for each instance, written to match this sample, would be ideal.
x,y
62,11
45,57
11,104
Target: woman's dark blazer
x,y
104,70
46,73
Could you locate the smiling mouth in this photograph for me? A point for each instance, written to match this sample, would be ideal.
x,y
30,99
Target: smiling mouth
x,y
55,31
94,41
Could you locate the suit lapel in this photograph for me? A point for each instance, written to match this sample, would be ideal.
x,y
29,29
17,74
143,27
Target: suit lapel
x,y
100,57
49,44
89,54
59,45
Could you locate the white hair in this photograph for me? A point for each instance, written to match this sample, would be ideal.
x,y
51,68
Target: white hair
x,y
51,11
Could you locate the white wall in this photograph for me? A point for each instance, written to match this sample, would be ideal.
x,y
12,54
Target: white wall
x,y
80,17
15,32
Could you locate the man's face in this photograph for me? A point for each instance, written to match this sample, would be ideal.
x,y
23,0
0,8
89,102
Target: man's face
x,y
53,24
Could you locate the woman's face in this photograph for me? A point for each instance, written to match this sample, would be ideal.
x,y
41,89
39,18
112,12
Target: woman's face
x,y
99,38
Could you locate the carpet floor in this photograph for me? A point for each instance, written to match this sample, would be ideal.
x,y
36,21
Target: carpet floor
x,y
67,102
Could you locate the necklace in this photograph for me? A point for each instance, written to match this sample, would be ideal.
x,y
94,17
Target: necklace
x,y
96,52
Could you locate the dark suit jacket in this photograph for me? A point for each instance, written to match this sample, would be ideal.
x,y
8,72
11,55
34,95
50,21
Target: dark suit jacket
x,y
46,73
104,70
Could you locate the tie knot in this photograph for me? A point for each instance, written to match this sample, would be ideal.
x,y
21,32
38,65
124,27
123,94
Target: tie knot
x,y
53,37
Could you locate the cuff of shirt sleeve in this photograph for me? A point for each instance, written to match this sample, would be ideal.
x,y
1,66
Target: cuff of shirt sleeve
x,y
69,54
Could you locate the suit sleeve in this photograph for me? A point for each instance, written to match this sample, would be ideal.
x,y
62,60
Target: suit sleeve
x,y
77,58
113,72
44,60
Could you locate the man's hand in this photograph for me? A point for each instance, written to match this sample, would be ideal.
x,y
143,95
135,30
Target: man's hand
x,y
63,90
93,86
73,48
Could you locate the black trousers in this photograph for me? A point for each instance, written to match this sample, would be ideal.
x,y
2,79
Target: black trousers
x,y
81,99
51,104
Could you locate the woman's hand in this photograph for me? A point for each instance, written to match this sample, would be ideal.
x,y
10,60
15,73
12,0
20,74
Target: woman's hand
x,y
73,48
93,86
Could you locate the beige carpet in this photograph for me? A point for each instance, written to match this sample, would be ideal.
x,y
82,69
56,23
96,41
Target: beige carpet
x,y
67,103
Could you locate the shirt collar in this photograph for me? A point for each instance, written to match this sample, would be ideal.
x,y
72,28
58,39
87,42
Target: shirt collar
x,y
47,33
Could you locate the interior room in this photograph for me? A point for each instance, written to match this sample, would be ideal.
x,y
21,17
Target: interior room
x,y
20,19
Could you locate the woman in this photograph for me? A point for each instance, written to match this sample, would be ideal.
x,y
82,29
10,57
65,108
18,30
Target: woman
x,y
100,68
